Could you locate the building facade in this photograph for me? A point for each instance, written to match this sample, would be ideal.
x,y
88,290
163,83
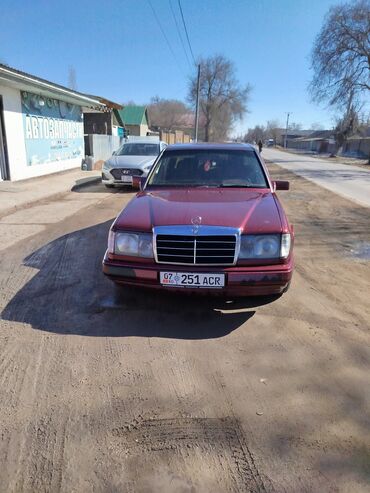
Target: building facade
x,y
41,125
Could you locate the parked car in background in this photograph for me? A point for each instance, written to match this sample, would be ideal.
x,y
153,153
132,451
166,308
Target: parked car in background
x,y
207,219
270,143
132,159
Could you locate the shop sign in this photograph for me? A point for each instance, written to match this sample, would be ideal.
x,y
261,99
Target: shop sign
x,y
53,129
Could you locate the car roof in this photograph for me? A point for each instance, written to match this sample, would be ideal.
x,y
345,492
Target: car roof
x,y
210,146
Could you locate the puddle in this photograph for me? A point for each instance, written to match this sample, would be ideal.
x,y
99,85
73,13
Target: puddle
x,y
361,250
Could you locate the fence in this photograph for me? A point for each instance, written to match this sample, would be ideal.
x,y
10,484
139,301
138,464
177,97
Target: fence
x,y
312,145
176,137
353,147
98,148
357,147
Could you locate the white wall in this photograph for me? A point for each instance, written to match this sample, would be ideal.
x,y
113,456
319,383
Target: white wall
x,y
13,122
144,129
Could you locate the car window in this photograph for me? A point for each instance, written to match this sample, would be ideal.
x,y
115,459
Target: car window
x,y
139,149
209,168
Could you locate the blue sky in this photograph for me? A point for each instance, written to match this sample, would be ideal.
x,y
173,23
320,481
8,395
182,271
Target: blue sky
x,y
119,52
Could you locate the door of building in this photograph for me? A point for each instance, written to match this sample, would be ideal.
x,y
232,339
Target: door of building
x,y
4,166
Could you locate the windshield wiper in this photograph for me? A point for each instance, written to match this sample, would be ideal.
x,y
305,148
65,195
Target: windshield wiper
x,y
233,185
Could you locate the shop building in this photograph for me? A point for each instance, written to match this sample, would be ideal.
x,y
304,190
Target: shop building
x,y
41,125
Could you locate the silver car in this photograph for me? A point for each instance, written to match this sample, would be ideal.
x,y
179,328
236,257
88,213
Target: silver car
x,y
131,159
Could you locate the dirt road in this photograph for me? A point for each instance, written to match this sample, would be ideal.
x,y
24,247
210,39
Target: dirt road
x,y
105,393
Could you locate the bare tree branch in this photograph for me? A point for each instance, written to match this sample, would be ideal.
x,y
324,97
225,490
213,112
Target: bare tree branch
x,y
167,113
340,57
222,100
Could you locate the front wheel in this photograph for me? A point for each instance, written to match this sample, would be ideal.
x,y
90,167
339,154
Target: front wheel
x,y
287,287
108,186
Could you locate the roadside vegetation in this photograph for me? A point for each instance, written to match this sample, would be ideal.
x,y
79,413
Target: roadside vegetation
x,y
340,61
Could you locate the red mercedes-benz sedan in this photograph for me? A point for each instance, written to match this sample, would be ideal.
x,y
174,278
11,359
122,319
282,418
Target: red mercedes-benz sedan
x,y
207,219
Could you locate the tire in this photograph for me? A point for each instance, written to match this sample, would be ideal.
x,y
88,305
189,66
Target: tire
x,y
109,186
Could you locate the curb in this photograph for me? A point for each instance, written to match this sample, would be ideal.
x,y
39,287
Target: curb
x,y
86,182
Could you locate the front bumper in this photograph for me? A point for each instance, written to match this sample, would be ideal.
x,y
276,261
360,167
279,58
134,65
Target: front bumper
x,y
240,280
108,179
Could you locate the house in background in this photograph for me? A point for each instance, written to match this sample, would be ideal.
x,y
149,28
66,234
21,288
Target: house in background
x,y
135,119
291,136
319,141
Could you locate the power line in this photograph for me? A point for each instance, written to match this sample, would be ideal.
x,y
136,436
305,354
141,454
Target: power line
x,y
179,33
165,37
186,31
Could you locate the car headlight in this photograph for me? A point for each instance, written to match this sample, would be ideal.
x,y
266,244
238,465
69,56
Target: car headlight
x,y
264,246
132,244
285,245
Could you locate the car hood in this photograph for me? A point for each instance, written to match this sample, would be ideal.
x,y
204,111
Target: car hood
x,y
252,211
130,161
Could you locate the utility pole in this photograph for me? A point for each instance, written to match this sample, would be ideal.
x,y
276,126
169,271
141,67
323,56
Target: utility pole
x,y
197,107
286,129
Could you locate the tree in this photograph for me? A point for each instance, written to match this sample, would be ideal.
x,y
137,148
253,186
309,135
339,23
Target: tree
x,y
316,126
255,134
273,130
341,55
294,127
167,114
222,100
345,127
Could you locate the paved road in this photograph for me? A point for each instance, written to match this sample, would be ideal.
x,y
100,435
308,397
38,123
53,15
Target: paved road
x,y
140,392
350,182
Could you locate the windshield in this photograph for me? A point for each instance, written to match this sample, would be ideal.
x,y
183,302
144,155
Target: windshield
x,y
138,149
209,168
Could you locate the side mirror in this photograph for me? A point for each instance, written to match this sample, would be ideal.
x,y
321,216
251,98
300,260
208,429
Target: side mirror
x,y
142,182
280,185
138,182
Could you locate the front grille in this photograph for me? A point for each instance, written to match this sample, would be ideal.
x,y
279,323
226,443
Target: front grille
x,y
196,250
119,172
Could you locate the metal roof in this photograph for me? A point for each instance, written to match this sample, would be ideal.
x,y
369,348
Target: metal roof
x,y
29,82
134,115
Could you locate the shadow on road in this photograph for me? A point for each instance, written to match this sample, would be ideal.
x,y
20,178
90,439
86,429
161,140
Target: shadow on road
x,y
83,186
69,295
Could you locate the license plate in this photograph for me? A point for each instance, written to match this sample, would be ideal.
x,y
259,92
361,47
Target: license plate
x,y
192,280
126,178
